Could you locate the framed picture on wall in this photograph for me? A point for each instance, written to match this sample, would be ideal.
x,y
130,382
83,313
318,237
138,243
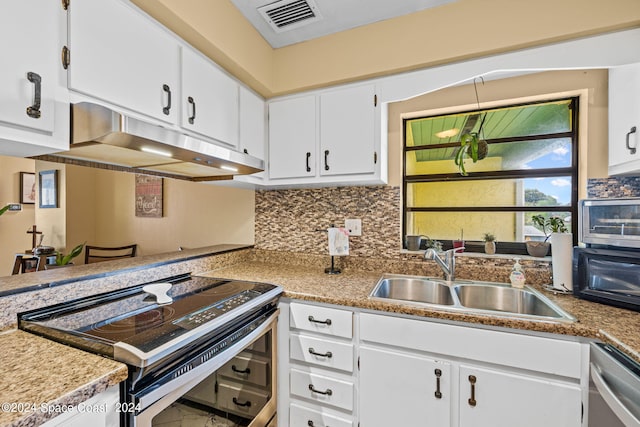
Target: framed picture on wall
x,y
148,196
27,188
48,186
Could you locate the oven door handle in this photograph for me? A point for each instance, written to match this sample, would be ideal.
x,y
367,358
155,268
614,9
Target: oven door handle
x,y
612,400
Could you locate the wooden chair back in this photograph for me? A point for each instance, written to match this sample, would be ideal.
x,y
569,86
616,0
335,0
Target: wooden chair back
x,y
101,253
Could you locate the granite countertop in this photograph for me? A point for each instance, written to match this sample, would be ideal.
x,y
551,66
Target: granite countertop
x,y
63,376
351,288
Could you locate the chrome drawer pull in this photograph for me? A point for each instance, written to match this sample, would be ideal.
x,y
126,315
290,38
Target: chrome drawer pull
x,y
33,111
245,404
324,322
327,392
632,150
246,371
311,424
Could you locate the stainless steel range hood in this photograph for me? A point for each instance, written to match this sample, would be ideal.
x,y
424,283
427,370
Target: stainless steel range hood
x,y
103,136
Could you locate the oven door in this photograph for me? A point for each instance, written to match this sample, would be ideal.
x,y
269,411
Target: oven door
x,y
236,387
608,276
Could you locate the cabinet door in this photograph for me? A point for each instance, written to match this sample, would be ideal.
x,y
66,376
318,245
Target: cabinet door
x,y
252,124
29,30
347,131
292,138
209,99
402,389
120,55
624,116
490,398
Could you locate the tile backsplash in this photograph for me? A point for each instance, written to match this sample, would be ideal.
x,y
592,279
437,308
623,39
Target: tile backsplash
x,y
295,220
613,187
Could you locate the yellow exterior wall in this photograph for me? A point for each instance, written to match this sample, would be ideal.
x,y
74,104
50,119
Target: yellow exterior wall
x,y
457,31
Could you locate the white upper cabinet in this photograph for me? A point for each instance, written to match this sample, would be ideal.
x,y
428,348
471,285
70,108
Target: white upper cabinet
x,y
33,97
120,55
253,121
327,137
209,99
292,138
624,120
347,133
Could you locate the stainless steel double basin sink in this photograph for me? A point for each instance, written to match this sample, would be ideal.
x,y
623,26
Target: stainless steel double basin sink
x,y
466,296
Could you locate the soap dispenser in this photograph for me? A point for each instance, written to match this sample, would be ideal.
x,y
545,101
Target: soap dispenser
x,y
517,275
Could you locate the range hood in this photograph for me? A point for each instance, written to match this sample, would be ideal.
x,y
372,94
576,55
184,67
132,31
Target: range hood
x,y
100,135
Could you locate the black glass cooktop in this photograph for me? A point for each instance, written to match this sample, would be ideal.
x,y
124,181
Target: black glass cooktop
x,y
134,317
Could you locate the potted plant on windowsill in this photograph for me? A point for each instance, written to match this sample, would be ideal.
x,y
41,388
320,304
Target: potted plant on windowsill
x,y
554,224
489,243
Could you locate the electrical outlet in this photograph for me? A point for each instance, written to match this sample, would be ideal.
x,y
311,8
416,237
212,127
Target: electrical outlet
x,y
354,226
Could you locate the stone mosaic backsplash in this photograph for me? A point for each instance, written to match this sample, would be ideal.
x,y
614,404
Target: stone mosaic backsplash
x,y
294,220
613,187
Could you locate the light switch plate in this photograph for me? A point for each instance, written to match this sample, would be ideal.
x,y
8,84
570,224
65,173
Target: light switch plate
x,y
354,226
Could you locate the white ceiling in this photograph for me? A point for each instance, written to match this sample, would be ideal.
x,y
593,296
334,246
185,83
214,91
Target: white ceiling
x,y
332,16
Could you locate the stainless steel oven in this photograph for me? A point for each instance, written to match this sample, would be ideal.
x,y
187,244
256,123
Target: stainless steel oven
x,y
199,350
607,269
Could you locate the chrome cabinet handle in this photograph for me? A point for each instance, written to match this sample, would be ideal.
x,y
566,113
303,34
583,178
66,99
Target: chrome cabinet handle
x,y
327,392
167,109
472,399
326,160
308,157
246,371
438,394
631,149
328,354
246,404
33,110
192,118
324,322
311,424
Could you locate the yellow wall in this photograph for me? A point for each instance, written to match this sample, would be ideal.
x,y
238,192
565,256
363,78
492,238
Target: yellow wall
x,y
453,32
195,214
13,225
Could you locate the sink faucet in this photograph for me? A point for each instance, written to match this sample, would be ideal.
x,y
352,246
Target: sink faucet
x,y
446,263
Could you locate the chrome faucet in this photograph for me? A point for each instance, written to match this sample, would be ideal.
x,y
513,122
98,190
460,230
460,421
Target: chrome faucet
x,y
448,264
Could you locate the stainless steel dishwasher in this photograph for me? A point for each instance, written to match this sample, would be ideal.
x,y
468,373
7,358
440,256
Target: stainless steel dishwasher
x,y
614,394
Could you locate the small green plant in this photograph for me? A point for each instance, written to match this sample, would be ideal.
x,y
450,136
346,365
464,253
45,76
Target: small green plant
x,y
471,146
434,244
554,223
489,237
62,259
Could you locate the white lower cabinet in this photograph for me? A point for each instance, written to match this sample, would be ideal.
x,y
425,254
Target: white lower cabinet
x,y
402,389
99,411
490,397
351,368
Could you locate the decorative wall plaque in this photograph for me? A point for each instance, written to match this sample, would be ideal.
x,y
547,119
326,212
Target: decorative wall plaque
x,y
148,196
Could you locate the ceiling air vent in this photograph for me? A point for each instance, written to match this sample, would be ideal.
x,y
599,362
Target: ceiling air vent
x,y
286,15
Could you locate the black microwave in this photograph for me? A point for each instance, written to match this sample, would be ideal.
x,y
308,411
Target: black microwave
x,y
607,275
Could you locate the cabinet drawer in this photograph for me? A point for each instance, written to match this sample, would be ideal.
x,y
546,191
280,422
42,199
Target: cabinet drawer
x,y
553,356
246,367
323,320
303,416
240,400
322,389
321,352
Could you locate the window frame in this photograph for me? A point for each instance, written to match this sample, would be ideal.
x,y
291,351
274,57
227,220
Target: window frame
x,y
505,247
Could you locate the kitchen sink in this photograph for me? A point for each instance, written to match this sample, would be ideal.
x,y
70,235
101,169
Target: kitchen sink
x,y
468,296
414,289
505,299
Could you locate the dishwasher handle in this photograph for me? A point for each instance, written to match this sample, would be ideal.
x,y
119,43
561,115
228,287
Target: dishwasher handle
x,y
612,400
